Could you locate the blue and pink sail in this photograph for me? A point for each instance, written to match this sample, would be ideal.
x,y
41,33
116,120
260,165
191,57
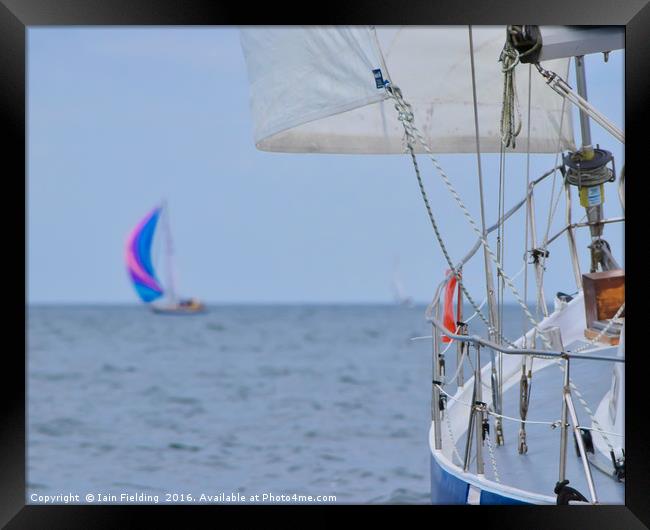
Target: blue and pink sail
x,y
138,257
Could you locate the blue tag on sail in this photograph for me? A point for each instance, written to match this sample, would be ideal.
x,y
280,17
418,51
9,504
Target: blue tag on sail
x,y
379,78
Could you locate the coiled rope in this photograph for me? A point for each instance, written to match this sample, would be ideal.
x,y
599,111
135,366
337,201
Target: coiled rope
x,y
510,115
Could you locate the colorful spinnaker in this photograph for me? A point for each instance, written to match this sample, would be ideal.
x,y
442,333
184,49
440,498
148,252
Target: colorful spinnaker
x,y
138,257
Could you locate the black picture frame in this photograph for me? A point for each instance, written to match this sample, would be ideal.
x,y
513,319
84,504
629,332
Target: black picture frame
x,y
17,15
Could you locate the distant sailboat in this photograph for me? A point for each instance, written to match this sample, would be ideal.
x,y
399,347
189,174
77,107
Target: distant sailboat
x,y
141,271
398,288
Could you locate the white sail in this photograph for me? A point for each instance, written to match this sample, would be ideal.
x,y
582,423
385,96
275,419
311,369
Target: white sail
x,y
169,255
398,287
313,89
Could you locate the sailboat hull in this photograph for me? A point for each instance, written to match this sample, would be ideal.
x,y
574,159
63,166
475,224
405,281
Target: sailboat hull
x,y
450,488
531,478
177,309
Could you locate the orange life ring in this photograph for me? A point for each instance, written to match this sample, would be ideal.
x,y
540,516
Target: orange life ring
x,y
449,319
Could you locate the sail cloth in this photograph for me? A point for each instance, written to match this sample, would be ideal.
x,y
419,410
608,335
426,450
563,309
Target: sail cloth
x,y
316,89
138,257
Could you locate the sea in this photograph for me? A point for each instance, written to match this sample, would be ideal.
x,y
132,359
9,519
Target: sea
x,y
245,404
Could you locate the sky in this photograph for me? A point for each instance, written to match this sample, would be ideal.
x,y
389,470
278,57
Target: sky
x,y
120,118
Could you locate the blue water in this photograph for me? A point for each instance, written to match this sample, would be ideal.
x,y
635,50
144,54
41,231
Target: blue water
x,y
306,400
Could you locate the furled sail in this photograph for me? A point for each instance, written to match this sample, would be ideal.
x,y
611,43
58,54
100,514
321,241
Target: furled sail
x,y
320,90
138,257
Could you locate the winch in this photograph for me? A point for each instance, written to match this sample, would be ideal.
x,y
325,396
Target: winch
x,y
588,169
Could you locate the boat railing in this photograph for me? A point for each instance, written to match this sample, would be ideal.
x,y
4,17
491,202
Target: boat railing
x,y
581,225
568,407
478,418
480,341
568,227
479,409
508,214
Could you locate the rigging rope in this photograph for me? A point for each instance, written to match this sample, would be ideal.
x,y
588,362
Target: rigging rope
x,y
510,115
453,440
552,424
575,389
411,132
597,338
528,197
447,380
493,316
560,86
524,393
541,269
589,177
492,458
405,115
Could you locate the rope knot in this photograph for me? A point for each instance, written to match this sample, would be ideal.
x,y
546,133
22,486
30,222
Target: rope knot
x,y
404,115
404,110
510,57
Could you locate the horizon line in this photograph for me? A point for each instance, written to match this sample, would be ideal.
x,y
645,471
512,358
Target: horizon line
x,y
241,303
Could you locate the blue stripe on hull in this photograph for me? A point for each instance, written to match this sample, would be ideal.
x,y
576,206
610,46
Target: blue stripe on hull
x,y
447,488
487,497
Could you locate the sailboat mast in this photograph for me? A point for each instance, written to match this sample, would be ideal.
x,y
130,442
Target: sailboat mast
x,y
581,81
169,254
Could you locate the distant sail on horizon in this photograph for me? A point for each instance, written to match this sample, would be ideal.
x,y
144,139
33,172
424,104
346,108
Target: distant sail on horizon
x,y
398,287
138,257
141,271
